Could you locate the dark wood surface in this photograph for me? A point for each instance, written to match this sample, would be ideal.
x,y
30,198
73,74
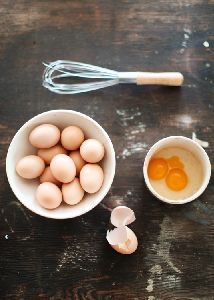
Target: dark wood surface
x,y
70,259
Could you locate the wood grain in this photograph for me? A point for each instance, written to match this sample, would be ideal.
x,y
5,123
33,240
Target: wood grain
x,y
48,259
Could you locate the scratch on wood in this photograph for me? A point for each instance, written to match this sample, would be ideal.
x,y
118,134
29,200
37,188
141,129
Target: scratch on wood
x,y
199,213
180,120
200,205
103,205
3,126
134,128
63,259
125,115
10,220
184,120
5,141
172,281
20,206
6,221
149,287
85,282
156,270
167,235
76,256
113,201
133,148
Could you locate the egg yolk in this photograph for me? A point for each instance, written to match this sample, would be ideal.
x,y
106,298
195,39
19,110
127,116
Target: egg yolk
x,y
174,162
157,168
176,179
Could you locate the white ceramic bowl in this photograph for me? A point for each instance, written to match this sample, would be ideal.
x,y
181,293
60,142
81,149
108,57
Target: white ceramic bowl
x,y
20,147
185,143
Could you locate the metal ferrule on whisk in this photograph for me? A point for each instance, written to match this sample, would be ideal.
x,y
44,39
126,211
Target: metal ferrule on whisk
x,y
127,77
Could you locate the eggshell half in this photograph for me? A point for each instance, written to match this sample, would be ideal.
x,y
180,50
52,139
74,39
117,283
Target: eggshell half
x,y
72,192
91,178
122,240
30,167
117,235
122,215
44,136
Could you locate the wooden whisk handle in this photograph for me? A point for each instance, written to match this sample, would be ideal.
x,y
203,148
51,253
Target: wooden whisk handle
x,y
166,78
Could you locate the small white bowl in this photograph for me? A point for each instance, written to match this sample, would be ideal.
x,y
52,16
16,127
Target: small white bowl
x,y
185,143
20,147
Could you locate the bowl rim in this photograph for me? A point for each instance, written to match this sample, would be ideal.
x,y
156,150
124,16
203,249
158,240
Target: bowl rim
x,y
155,149
110,177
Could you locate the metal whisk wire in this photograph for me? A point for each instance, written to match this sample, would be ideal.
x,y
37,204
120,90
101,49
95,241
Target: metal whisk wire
x,y
64,69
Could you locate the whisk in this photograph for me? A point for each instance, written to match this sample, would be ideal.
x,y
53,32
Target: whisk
x,y
64,68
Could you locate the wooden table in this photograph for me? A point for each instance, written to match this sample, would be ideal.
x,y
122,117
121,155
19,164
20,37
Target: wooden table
x,y
71,259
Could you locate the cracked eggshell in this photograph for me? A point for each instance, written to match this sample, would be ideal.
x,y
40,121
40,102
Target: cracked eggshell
x,y
122,240
121,216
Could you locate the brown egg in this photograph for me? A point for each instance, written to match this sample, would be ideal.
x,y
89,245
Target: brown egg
x,y
47,176
49,153
91,178
44,136
92,151
48,195
72,137
30,167
78,160
72,192
63,168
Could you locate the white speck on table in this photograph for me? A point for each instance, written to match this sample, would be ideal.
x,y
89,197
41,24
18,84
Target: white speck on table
x,y
184,120
206,44
156,270
149,287
187,30
186,37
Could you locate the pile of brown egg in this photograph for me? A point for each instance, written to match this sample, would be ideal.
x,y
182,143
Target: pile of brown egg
x,y
66,164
